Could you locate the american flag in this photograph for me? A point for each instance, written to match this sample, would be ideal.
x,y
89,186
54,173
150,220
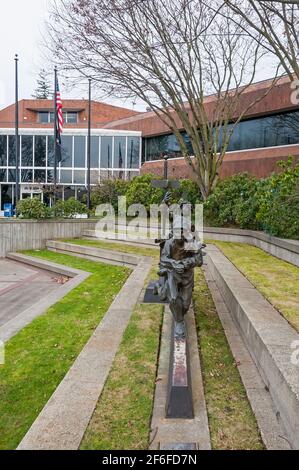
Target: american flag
x,y
59,109
59,122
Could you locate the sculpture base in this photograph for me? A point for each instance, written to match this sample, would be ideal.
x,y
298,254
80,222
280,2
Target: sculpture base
x,y
179,398
150,297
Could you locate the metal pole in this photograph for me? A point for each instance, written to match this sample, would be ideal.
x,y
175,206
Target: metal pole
x,y
89,145
166,157
17,194
55,133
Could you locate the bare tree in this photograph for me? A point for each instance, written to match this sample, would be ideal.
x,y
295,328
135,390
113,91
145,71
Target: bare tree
x,y
276,25
170,54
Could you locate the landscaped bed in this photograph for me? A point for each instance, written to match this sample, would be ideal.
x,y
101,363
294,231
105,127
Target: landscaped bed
x,y
40,355
120,423
277,280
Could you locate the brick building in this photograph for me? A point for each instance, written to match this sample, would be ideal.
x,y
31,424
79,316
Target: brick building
x,y
268,133
123,141
114,153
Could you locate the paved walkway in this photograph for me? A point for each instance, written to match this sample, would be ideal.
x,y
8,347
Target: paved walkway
x,y
21,286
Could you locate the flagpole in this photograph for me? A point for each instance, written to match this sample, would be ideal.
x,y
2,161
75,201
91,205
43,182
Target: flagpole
x,y
55,132
89,145
17,194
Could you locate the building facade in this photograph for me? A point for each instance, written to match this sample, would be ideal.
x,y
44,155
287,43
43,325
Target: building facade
x,y
268,133
114,153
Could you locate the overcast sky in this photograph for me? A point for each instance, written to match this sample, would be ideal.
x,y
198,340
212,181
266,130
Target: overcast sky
x,y
22,26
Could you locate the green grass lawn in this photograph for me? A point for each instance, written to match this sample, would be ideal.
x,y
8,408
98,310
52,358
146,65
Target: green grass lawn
x,y
276,279
40,355
231,420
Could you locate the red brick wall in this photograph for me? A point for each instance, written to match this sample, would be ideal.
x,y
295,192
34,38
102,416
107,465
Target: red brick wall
x,y
101,113
260,163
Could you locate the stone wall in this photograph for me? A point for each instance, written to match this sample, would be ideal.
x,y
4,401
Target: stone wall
x,y
30,234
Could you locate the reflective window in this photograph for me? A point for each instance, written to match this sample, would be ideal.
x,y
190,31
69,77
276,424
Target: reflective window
x,y
79,177
133,152
94,152
267,131
11,150
106,152
27,176
70,117
50,150
40,150
27,150
39,176
69,191
3,150
3,175
66,176
94,176
79,152
6,194
11,176
67,151
50,176
119,152
43,117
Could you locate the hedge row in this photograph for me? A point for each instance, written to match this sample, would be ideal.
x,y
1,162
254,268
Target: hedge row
x,y
270,204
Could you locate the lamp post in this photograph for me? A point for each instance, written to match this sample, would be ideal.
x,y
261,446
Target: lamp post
x,y
89,145
17,194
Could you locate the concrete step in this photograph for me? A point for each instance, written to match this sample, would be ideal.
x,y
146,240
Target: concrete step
x,y
119,237
268,336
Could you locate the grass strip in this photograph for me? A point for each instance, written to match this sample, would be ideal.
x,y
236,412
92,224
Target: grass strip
x,y
231,420
40,355
276,279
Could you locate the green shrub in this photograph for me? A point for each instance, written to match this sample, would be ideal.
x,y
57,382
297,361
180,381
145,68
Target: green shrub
x,y
141,191
232,199
270,204
278,198
32,209
69,208
108,192
189,191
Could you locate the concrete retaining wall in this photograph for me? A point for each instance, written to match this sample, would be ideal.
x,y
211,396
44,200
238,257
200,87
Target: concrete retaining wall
x,y
268,337
32,235
287,250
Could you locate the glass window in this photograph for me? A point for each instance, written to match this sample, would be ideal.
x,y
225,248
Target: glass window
x,y
81,194
50,176
39,176
3,150
27,176
133,152
119,152
43,117
79,177
11,176
6,194
67,151
40,150
52,116
69,191
71,118
50,150
106,152
79,152
66,176
27,150
3,176
94,152
94,176
11,150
